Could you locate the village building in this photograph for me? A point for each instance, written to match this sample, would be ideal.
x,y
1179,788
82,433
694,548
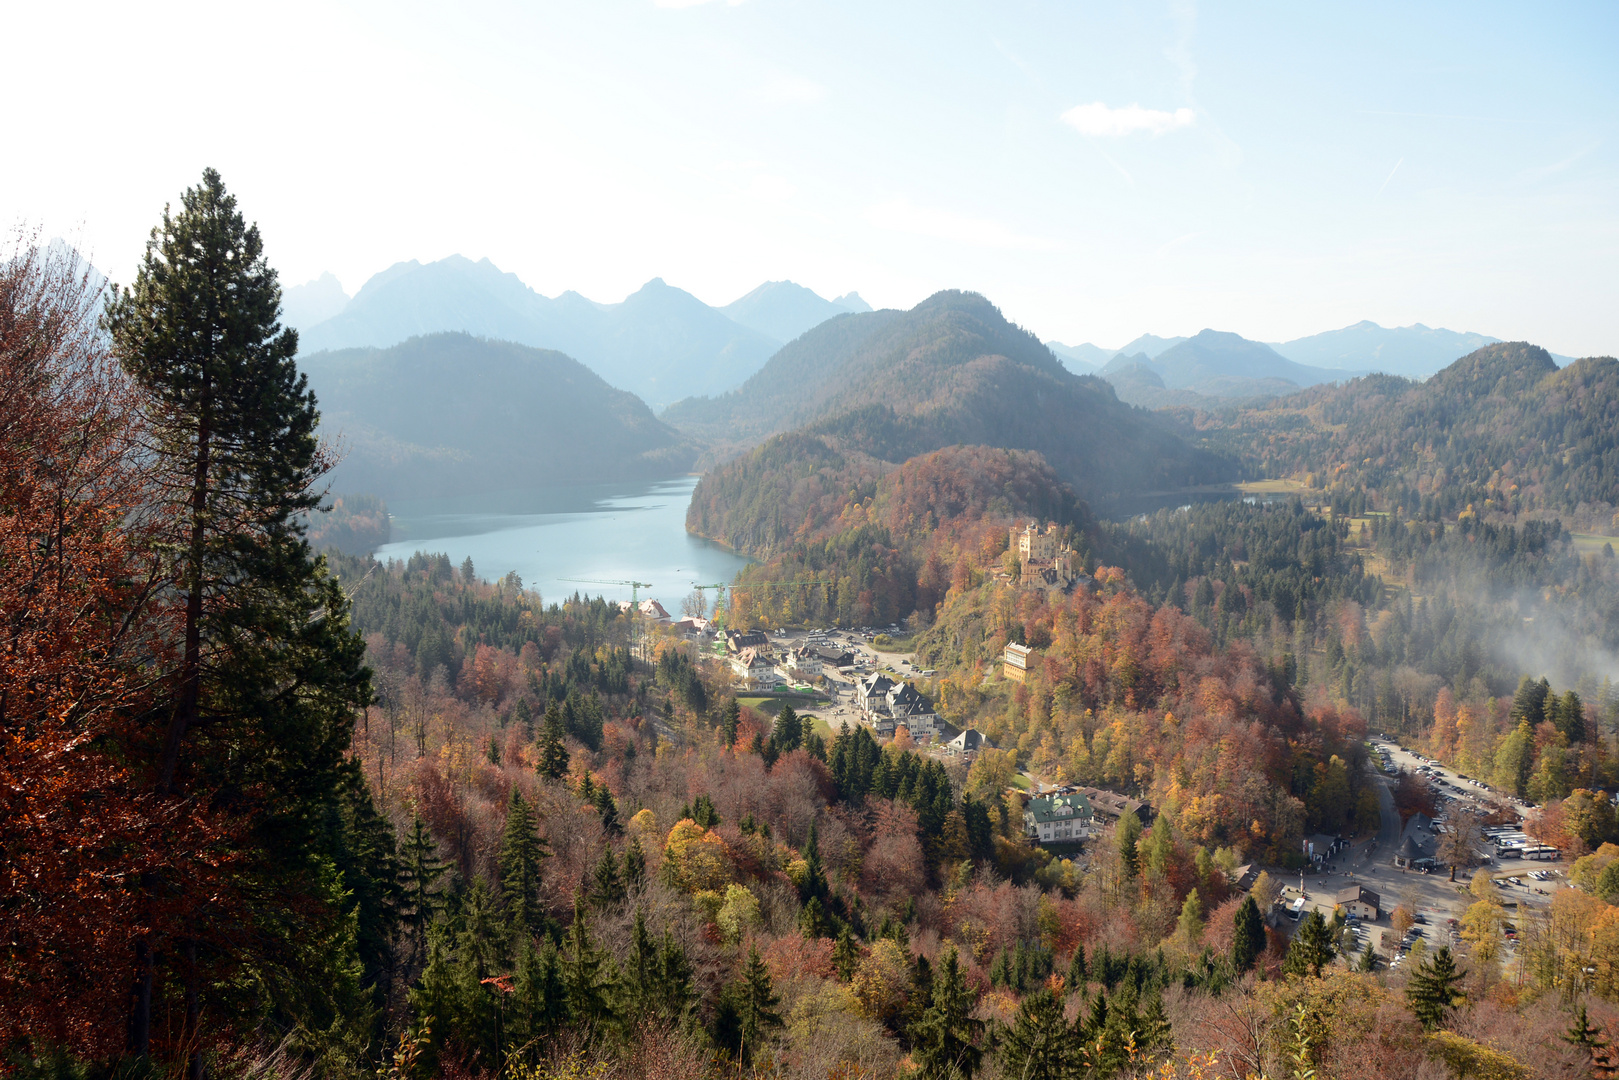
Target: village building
x,y
755,666
1058,818
1110,806
738,640
968,742
1015,661
1417,847
802,664
831,656
647,609
886,704
1359,901
1322,847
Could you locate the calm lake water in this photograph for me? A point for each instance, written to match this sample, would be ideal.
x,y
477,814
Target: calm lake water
x,y
628,531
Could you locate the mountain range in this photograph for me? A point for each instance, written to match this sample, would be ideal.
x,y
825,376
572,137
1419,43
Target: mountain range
x,y
450,413
660,343
1414,351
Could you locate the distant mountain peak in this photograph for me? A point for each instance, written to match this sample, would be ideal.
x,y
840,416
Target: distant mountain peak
x,y
784,310
852,301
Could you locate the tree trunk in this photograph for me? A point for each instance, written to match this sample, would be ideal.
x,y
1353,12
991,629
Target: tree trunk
x,y
140,1013
185,712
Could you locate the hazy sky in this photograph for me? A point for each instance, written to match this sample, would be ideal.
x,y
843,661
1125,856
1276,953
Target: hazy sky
x,y
1098,170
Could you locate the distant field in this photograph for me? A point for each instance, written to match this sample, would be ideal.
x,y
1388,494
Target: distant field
x,y
1590,542
1021,782
1273,487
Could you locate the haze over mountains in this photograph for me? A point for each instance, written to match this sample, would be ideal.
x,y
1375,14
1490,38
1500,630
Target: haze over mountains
x,y
660,343
1414,351
449,414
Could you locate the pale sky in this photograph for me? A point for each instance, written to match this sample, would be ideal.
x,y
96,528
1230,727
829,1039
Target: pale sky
x,y
1098,170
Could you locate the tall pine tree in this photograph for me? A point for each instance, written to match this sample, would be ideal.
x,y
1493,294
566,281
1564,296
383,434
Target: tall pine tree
x,y
268,676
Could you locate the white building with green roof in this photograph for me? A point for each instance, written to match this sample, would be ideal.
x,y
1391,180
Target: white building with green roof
x,y
1056,818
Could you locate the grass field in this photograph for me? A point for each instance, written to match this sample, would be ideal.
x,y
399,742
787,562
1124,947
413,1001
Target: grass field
x,y
772,704
1591,543
1273,487
1021,782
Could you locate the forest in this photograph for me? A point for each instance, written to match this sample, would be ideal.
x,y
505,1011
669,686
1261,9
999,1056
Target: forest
x,y
1501,433
274,811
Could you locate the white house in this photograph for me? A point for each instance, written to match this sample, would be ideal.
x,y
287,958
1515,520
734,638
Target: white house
x,y
1058,818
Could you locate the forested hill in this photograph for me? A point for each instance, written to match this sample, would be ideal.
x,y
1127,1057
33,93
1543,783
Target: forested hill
x,y
451,413
888,541
951,371
1502,430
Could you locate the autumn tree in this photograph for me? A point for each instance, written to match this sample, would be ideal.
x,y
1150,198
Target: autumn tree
x,y
76,626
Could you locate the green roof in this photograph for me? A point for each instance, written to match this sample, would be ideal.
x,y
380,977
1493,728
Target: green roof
x,y
1059,807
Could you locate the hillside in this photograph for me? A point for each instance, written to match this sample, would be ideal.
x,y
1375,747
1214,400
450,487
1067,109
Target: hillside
x,y
451,413
1502,430
661,343
889,538
951,371
783,310
1414,351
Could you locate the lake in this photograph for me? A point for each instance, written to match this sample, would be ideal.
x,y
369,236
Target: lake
x,y
622,532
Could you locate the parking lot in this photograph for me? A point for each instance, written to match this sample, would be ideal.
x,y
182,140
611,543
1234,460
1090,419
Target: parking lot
x,y
1434,899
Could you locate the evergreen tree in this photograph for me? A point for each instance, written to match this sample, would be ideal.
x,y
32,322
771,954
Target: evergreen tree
x,y
788,734
419,872
538,1006
1040,1044
518,866
435,1000
587,973
1568,714
1588,1039
1312,947
1368,960
553,751
1127,835
608,809
1076,968
1248,941
703,812
812,921
758,1002
676,993
946,1038
845,955
1431,992
231,428
1529,703
640,974
728,723
606,887
919,997
814,885
634,866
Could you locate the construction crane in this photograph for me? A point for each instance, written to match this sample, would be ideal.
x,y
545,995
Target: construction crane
x,y
634,586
